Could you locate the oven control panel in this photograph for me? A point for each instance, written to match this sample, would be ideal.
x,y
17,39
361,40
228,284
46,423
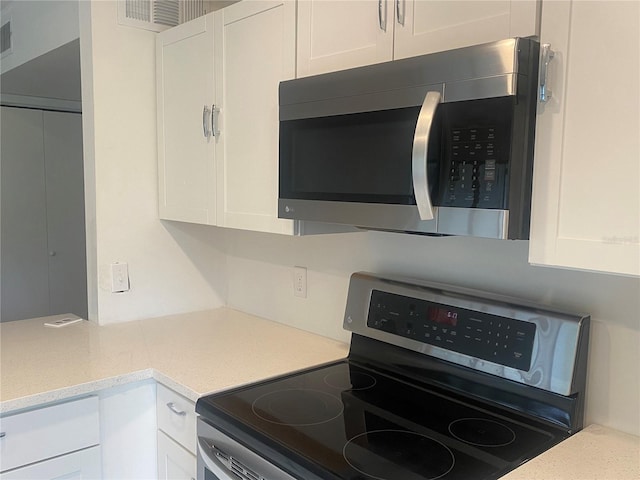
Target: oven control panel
x,y
501,340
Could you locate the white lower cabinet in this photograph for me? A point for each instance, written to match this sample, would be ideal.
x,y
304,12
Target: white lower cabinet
x,y
52,442
176,435
174,462
81,465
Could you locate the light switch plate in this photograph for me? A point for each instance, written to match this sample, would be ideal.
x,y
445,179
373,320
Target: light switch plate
x,y
119,277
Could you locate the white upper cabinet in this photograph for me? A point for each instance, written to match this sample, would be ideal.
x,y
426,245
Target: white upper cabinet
x,y
586,191
254,50
426,26
185,92
339,34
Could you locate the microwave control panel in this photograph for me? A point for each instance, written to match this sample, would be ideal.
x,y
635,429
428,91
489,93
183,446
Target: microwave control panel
x,y
501,340
475,139
476,173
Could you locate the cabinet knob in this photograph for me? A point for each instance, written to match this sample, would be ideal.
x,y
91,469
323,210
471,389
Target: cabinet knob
x,y
52,253
3,434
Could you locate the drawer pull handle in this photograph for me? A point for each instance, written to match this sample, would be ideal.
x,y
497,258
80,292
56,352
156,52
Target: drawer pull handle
x,y
3,434
172,407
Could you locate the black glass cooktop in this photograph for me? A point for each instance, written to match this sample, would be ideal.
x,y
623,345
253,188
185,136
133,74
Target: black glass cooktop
x,y
344,421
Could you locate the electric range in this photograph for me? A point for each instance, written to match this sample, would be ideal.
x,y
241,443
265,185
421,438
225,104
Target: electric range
x,y
440,383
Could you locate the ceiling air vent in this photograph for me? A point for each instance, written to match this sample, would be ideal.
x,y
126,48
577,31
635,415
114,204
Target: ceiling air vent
x,y
5,38
158,15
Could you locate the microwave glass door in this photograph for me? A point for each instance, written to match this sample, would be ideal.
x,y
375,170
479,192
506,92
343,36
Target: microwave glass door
x,y
359,157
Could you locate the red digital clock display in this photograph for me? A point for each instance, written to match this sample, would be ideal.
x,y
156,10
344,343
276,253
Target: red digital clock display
x,y
442,316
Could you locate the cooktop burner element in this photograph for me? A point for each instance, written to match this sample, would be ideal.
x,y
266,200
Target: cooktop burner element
x,y
297,407
482,432
398,454
438,385
354,381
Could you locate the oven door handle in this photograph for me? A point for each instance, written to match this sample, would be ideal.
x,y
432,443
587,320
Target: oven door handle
x,y
419,157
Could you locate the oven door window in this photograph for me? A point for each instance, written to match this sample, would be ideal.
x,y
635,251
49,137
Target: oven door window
x,y
360,157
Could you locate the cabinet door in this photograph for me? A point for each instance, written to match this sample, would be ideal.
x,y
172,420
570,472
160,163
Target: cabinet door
x,y
185,91
432,26
174,462
81,465
586,190
254,51
339,34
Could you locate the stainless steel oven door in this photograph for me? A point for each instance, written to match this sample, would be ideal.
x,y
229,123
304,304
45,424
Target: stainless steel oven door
x,y
222,458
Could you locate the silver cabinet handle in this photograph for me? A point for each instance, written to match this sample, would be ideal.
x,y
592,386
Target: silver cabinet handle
x,y
214,120
400,11
382,18
546,55
420,154
205,122
174,409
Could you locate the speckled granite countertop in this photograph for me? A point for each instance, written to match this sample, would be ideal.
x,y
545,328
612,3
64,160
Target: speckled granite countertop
x,y
194,354
202,352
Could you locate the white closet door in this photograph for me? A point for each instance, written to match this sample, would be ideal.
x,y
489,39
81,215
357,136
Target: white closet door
x,y
65,213
24,277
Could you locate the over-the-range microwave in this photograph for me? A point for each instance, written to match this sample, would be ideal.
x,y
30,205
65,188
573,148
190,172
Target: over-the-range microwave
x,y
438,144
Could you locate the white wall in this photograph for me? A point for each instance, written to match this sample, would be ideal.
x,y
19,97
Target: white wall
x,y
173,267
37,27
260,281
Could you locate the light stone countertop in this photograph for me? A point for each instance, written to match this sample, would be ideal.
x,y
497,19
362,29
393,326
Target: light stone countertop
x,y
193,354
595,453
203,352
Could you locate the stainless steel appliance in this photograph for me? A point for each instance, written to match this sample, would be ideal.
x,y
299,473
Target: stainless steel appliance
x,y
440,383
436,144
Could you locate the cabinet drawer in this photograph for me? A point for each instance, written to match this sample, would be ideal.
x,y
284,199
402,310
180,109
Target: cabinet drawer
x,y
177,417
81,465
48,432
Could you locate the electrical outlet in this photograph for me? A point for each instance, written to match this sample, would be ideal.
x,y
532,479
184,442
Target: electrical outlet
x,y
300,282
119,277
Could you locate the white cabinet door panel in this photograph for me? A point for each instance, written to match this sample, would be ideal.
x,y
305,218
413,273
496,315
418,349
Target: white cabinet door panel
x,y
254,51
82,465
186,162
437,25
174,462
586,195
339,34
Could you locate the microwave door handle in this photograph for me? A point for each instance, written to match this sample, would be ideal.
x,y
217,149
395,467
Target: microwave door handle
x,y
420,154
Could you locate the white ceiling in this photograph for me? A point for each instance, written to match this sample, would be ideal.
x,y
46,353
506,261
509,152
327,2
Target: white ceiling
x,y
55,74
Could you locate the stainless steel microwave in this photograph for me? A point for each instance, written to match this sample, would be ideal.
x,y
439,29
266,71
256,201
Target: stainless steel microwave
x,y
438,144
